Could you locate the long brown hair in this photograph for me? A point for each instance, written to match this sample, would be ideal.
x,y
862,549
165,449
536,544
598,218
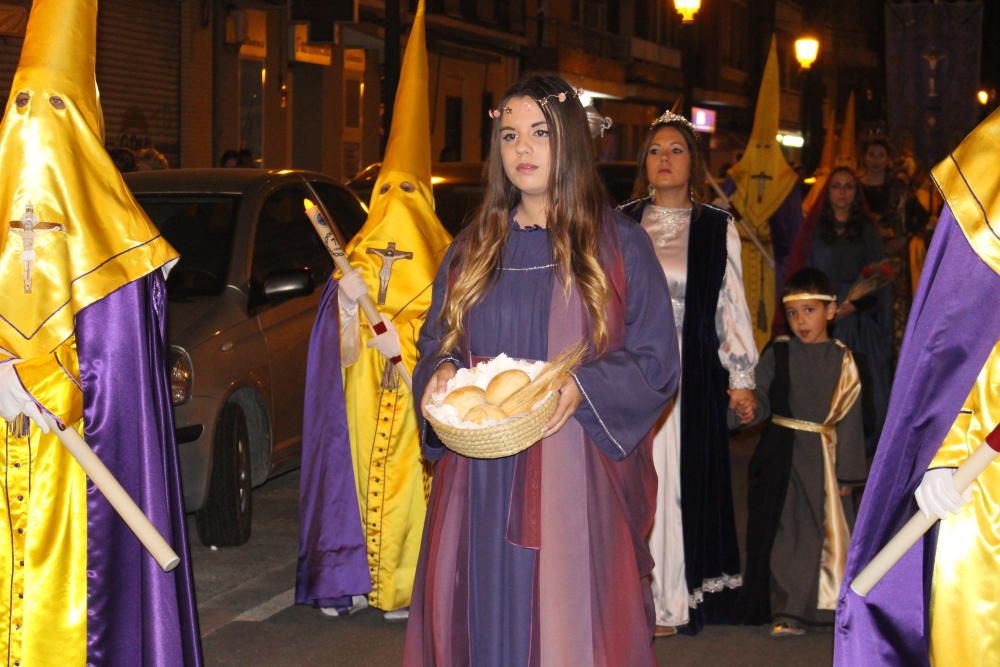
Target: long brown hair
x,y
576,207
696,179
857,216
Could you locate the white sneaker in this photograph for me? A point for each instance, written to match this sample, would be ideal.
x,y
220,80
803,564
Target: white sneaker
x,y
358,602
397,615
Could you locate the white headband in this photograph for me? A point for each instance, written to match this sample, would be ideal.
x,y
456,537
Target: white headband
x,y
806,296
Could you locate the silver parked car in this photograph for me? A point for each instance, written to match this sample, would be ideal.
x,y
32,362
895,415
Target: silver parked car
x,y
242,301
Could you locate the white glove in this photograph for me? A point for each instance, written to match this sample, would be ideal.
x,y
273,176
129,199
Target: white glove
x,y
15,400
387,343
352,287
936,495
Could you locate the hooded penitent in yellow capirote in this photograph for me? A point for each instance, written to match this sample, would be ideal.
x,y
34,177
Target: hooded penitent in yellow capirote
x,y
392,482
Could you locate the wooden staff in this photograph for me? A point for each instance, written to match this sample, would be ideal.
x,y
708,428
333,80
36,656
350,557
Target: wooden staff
x,y
318,217
919,524
739,220
118,497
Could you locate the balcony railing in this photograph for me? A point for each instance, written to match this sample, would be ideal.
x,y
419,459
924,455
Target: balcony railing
x,y
560,33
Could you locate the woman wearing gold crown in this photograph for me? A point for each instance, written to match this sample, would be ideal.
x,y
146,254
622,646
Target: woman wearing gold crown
x,y
82,342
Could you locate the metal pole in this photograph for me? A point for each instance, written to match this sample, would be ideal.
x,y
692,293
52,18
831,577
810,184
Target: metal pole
x,y
689,65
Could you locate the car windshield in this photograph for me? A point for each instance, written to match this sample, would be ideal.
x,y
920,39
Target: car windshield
x,y
454,204
200,228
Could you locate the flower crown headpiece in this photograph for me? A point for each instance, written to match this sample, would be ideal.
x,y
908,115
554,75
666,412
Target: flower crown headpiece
x,y
542,101
671,117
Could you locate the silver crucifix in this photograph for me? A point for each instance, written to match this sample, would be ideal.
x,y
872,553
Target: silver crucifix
x,y
29,227
388,255
762,178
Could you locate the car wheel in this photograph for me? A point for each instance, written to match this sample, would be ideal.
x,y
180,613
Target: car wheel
x,y
224,520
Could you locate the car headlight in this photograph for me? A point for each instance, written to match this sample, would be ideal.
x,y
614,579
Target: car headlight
x,y
181,375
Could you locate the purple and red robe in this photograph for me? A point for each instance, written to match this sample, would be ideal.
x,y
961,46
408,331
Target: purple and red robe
x,y
541,557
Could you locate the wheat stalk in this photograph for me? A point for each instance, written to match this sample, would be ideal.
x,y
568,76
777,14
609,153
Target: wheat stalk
x,y
552,376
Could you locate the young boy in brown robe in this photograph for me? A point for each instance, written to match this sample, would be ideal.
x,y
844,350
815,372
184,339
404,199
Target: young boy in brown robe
x,y
810,454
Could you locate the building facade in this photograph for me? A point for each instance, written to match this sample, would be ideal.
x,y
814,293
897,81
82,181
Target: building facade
x,y
195,78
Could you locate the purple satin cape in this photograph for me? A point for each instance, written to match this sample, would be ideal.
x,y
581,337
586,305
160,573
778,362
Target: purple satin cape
x,y
333,563
952,328
136,613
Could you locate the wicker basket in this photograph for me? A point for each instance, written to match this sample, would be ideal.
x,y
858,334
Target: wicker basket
x,y
506,438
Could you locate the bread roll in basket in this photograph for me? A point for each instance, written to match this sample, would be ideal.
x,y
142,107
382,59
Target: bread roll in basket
x,y
498,408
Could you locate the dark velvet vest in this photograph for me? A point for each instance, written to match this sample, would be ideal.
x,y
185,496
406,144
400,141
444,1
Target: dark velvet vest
x,y
710,546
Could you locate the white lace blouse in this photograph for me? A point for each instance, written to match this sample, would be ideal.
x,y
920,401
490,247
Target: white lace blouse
x,y
669,228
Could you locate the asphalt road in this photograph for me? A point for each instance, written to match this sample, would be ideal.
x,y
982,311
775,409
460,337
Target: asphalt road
x,y
248,618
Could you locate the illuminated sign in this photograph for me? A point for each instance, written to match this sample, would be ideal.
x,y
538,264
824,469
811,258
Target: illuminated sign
x,y
703,119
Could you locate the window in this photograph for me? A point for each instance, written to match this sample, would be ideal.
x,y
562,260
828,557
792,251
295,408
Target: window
x,y
485,125
352,103
508,15
343,206
251,95
285,239
200,228
656,21
452,151
735,50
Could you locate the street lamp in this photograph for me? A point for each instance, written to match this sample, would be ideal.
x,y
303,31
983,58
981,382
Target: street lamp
x,y
811,100
687,9
983,96
806,50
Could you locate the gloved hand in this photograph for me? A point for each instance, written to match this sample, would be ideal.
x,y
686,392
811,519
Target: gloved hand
x,y
936,495
15,400
351,286
387,343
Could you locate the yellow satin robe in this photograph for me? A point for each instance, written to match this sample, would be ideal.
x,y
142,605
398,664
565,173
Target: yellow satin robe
x,y
45,496
90,238
965,593
393,480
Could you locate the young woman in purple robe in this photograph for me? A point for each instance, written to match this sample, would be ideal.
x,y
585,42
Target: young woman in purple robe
x,y
541,558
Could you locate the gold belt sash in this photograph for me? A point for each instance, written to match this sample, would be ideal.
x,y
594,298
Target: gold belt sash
x,y
836,534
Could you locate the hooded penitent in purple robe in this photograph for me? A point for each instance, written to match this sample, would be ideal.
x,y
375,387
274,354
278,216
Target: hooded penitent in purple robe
x,y
333,563
541,558
954,323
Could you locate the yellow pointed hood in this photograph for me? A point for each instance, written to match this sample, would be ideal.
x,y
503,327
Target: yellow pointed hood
x,y
969,183
847,152
409,147
762,176
90,236
60,48
401,211
825,162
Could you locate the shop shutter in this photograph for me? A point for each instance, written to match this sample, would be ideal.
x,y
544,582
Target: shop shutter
x,y
138,71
